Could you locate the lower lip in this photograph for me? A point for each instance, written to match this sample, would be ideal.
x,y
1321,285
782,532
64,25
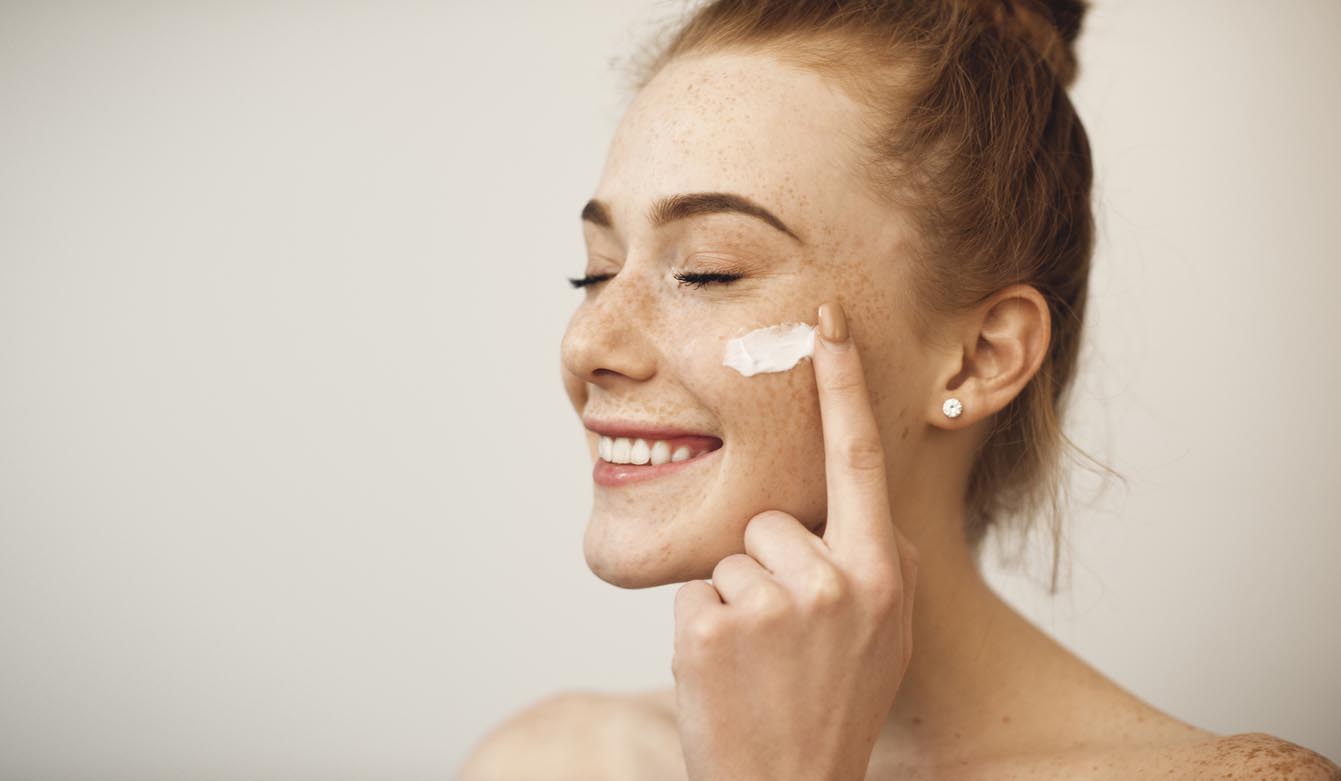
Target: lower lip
x,y
615,475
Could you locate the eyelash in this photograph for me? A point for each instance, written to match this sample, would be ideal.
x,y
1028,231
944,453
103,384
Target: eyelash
x,y
685,277
699,280
590,279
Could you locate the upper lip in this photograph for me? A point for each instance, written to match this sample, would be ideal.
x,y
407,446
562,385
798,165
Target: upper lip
x,y
636,430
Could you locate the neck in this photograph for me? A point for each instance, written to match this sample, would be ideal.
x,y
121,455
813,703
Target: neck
x,y
973,655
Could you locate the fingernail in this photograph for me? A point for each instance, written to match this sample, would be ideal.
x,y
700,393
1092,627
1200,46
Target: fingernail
x,y
833,325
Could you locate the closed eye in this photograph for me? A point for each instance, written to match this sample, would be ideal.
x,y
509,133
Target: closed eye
x,y
589,279
686,278
699,280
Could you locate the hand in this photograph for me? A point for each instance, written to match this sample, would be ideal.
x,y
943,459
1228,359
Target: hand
x,y
787,663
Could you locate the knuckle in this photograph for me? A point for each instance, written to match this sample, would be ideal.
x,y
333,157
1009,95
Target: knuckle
x,y
699,636
826,589
768,604
762,523
863,454
846,379
727,563
886,592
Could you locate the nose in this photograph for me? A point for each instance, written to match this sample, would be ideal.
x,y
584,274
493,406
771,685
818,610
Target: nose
x,y
607,341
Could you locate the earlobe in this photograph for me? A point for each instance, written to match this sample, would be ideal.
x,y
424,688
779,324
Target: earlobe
x,y
955,405
956,409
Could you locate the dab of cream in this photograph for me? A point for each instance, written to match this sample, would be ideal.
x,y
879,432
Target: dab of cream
x,y
775,348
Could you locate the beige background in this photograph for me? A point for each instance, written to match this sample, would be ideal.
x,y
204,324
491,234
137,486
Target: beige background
x,y
289,487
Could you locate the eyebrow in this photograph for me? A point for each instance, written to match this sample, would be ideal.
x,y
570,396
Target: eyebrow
x,y
678,207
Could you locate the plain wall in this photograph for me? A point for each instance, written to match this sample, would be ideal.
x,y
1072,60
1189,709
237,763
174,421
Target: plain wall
x,y
289,486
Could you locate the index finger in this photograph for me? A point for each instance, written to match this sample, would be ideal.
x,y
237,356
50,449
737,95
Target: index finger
x,y
859,522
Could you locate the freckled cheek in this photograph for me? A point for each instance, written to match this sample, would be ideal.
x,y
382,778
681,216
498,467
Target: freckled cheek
x,y
784,408
776,408
773,427
783,403
699,351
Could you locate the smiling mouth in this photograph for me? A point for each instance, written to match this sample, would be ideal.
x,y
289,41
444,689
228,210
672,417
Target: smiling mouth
x,y
627,460
655,452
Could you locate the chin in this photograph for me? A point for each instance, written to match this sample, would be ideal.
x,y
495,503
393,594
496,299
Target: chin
x,y
639,555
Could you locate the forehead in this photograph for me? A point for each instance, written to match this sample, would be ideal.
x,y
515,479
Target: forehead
x,y
741,123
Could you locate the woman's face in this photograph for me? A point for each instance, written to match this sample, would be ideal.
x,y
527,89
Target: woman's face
x,y
645,349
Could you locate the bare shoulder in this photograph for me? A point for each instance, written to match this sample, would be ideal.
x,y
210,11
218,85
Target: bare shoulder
x,y
1258,755
1195,756
1244,755
574,735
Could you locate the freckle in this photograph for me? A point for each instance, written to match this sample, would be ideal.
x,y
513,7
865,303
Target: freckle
x,y
904,435
1005,719
917,720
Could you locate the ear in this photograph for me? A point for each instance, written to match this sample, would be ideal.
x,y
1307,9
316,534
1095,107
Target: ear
x,y
1003,343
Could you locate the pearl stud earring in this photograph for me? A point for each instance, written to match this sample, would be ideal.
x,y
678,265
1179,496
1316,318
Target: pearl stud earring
x,y
952,408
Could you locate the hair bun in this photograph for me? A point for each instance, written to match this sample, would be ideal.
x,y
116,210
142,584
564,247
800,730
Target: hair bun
x,y
1050,27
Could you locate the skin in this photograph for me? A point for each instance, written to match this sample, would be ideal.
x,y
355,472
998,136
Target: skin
x,y
985,693
788,661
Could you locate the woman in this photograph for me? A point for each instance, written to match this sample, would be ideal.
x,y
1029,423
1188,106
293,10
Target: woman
x,y
912,178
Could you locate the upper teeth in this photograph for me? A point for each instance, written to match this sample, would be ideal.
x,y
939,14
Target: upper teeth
x,y
623,450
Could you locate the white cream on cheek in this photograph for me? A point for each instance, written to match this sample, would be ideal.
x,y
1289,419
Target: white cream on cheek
x,y
774,348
